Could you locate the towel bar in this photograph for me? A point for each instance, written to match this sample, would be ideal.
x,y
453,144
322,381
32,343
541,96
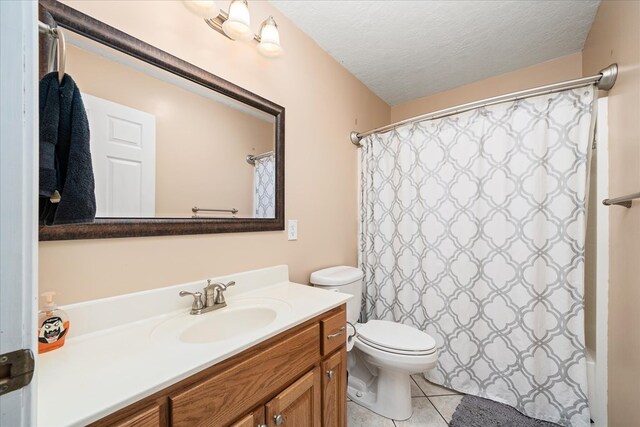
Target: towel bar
x,y
625,201
196,209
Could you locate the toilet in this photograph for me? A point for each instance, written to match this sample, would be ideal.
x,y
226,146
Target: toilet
x,y
384,354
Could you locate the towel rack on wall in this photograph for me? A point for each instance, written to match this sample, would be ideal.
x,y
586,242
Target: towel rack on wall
x,y
56,33
251,159
625,201
196,209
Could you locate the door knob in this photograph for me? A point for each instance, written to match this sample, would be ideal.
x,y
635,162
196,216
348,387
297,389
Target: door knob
x,y
278,419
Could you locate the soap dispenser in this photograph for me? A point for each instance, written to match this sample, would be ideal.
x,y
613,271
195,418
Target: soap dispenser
x,y
53,325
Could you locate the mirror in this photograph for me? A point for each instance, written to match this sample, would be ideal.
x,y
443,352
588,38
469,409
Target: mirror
x,y
165,147
171,144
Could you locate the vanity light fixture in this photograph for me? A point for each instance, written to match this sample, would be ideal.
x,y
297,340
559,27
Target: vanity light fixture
x,y
203,8
236,24
269,45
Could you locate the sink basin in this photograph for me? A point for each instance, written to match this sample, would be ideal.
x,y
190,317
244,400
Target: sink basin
x,y
228,324
238,318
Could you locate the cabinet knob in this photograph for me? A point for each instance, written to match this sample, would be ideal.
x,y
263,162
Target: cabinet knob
x,y
262,425
330,374
278,419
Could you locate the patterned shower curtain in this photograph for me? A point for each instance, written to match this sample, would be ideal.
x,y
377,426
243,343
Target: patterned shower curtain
x,y
473,230
264,199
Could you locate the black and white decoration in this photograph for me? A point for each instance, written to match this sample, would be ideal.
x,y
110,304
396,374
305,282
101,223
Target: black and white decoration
x,y
265,187
473,229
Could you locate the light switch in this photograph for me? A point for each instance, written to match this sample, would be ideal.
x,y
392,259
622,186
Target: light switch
x,y
292,229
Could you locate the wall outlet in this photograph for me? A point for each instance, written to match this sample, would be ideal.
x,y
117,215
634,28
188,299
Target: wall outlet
x,y
292,229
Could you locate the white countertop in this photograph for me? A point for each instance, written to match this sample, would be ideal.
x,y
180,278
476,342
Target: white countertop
x,y
113,359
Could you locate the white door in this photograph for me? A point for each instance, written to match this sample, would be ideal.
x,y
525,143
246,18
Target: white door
x,y
123,149
18,201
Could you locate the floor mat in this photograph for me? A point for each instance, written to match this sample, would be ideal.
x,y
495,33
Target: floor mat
x,y
478,412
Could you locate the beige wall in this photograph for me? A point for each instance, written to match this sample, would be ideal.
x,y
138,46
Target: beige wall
x,y
323,104
615,37
563,68
201,144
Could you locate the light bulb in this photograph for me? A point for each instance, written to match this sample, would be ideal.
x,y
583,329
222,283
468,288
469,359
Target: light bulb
x,y
269,45
202,8
237,25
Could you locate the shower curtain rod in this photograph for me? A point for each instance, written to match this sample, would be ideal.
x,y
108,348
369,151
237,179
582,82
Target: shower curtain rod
x,y
604,80
251,159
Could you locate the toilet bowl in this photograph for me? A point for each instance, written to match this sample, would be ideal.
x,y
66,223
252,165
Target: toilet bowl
x,y
396,351
385,354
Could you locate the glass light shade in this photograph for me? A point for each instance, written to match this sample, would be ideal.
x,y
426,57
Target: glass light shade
x,y
237,26
202,8
269,45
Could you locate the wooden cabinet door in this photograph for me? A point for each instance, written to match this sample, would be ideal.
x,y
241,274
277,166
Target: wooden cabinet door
x,y
217,401
253,419
298,405
334,390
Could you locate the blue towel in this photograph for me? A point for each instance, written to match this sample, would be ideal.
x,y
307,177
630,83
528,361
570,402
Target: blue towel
x,y
65,155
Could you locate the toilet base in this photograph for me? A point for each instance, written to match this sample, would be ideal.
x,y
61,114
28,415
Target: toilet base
x,y
381,381
389,394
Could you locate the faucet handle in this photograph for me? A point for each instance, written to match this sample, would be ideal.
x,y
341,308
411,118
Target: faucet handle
x,y
197,300
221,288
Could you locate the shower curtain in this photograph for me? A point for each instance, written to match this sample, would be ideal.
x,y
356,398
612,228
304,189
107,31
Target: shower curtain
x,y
473,230
264,199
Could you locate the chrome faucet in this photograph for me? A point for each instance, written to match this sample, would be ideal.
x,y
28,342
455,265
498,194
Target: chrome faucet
x,y
213,297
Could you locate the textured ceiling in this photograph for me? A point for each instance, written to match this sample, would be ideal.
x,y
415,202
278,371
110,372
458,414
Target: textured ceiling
x,y
403,50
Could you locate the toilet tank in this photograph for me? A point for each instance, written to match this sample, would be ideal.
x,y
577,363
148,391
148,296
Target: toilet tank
x,y
343,279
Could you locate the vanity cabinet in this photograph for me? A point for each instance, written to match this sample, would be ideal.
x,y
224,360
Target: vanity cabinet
x,y
334,389
298,404
297,378
219,399
333,332
149,417
252,419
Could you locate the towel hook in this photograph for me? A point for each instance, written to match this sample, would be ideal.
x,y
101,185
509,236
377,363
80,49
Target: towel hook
x,y
55,32
62,53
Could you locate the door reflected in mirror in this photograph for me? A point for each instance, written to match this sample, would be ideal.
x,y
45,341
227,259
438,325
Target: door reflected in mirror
x,y
165,147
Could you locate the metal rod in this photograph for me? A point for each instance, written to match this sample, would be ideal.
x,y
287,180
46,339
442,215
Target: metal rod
x,y
45,28
625,201
196,209
603,80
251,159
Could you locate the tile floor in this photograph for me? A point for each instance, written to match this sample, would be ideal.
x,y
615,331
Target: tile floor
x,y
433,406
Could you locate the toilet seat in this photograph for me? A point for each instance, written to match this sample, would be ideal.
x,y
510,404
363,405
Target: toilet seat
x,y
396,338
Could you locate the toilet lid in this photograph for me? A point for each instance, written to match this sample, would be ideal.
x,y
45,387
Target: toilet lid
x,y
396,336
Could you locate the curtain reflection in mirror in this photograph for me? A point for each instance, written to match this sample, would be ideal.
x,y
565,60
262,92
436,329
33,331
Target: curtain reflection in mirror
x,y
265,187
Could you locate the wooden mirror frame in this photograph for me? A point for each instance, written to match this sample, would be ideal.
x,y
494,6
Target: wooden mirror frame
x,y
74,20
